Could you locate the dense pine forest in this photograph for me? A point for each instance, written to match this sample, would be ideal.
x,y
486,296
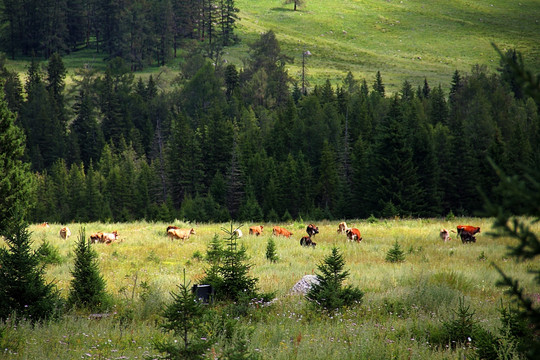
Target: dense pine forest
x,y
249,143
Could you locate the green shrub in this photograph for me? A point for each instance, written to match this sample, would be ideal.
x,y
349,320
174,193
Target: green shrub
x,y
329,293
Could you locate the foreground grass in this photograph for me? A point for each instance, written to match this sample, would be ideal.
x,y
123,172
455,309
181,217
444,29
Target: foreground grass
x,y
403,304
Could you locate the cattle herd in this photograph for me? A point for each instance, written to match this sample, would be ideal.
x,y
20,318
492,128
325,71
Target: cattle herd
x,y
466,233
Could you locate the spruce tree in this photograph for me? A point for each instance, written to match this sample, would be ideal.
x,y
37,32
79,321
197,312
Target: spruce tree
x,y
23,289
87,288
329,293
395,254
15,180
271,254
183,318
230,276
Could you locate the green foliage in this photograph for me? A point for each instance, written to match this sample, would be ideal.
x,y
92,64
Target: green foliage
x,y
24,292
16,181
271,253
87,288
329,293
395,254
460,328
183,319
519,194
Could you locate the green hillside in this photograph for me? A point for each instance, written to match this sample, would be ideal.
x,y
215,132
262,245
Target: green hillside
x,y
404,39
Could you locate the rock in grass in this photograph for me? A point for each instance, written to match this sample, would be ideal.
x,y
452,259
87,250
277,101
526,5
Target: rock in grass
x,y
303,286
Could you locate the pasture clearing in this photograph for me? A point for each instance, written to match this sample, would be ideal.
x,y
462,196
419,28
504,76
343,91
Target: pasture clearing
x,y
403,304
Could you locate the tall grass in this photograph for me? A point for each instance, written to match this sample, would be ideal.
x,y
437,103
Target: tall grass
x,y
403,306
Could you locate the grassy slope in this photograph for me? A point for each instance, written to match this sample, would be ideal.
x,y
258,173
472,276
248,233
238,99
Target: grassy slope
x,y
407,39
402,301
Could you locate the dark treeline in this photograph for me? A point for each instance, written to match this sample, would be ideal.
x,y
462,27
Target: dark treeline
x,y
142,32
246,144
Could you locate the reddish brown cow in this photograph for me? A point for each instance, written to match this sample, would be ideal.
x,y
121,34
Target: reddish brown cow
x,y
256,230
44,225
277,231
353,234
467,232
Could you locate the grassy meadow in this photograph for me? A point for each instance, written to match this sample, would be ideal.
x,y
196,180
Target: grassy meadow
x,y
404,39
403,302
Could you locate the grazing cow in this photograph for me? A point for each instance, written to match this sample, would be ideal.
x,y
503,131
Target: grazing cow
x,y
342,228
171,227
65,233
96,237
306,241
44,225
104,238
108,238
182,234
256,230
281,231
467,232
353,234
238,233
445,235
312,230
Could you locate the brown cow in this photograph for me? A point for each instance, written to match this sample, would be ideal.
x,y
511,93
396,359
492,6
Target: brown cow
x,y
44,225
108,238
445,235
277,231
182,234
96,237
467,232
256,230
65,233
171,227
342,228
101,237
354,234
312,230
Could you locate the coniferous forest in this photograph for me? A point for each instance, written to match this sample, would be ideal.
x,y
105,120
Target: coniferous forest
x,y
223,142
